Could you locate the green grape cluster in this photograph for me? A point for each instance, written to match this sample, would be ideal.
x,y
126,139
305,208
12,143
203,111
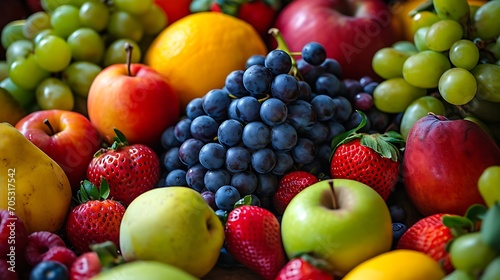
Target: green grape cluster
x,y
452,66
53,56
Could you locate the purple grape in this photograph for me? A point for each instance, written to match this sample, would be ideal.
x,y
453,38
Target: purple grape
x,y
226,196
283,137
370,87
365,80
263,160
168,139
255,200
309,72
398,229
332,66
304,151
171,159
314,53
195,108
215,104
210,199
256,135
237,159
363,101
327,84
398,213
267,185
352,87
189,151
195,176
343,108
204,128
278,61
301,115
285,88
324,107
305,91
214,179
334,128
229,132
234,84
247,109
354,120
273,111
256,59
318,133
231,110
182,130
257,79
284,163
323,154
176,177
212,156
378,119
245,182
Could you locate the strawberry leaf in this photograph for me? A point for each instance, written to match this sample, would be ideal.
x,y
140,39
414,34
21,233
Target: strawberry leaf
x,y
91,191
246,200
347,136
476,213
107,253
457,224
104,189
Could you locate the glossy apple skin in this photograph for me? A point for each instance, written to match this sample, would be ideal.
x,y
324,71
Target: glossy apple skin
x,y
72,146
350,35
359,229
442,163
141,105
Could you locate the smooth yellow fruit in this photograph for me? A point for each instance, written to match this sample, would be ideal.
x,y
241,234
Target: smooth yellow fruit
x,y
41,188
398,264
10,110
150,270
197,52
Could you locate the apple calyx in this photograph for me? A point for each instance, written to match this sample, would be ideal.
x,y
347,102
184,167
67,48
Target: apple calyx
x,y
89,191
108,255
51,128
468,223
387,145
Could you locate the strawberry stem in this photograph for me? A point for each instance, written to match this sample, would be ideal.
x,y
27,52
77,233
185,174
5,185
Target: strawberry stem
x,y
333,196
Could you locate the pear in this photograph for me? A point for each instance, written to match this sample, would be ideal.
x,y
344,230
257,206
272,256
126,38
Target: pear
x,y
10,110
32,185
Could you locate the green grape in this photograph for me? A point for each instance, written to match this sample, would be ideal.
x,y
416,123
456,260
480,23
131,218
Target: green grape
x,y
35,23
419,109
42,34
18,49
388,62
26,73
487,20
419,38
12,32
442,34
65,20
485,110
4,70
494,48
423,19
425,68
53,54
492,271
115,53
53,93
24,97
94,15
405,46
459,275
481,124
87,45
122,25
51,5
394,95
136,7
454,10
469,253
457,86
464,54
153,20
488,84
80,75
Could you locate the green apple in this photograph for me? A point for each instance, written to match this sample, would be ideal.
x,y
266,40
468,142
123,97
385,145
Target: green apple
x,y
345,227
150,270
172,225
489,185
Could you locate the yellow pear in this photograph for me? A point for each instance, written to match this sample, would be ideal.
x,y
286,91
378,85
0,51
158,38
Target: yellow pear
x,y
10,110
32,185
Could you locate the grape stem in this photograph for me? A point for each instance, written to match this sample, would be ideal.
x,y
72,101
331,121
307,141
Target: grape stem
x,y
128,50
332,194
47,123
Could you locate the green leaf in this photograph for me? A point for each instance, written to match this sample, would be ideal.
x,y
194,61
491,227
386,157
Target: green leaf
x,y
120,137
343,137
108,254
458,224
246,200
104,189
82,194
476,213
91,190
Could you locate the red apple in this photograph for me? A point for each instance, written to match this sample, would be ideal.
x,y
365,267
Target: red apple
x,y
141,104
442,163
350,30
65,136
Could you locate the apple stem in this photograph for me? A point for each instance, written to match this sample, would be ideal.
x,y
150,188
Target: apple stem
x,y
47,123
332,193
128,50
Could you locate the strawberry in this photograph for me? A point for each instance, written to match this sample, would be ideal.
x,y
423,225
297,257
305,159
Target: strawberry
x,y
372,159
253,238
430,236
85,266
97,219
305,267
130,170
290,185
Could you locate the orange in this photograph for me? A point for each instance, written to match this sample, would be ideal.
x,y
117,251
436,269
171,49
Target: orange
x,y
401,9
401,264
198,51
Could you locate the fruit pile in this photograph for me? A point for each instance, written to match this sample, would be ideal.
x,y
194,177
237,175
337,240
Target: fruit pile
x,y
53,55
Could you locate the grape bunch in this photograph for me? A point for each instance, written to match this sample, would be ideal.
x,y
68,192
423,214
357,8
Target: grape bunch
x,y
277,115
53,55
451,67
